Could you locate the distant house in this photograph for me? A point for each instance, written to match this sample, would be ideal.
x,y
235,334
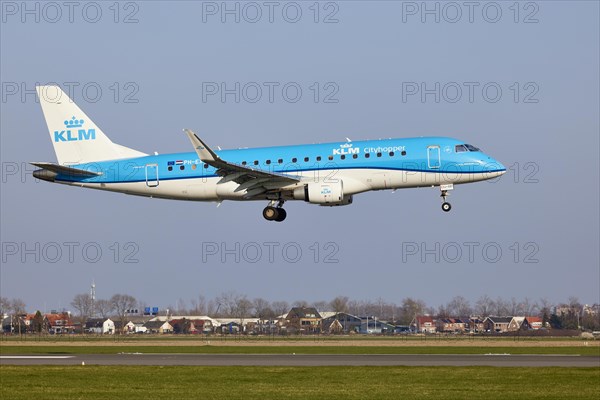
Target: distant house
x,y
515,324
496,324
99,326
423,324
59,323
303,320
532,323
452,325
161,327
341,323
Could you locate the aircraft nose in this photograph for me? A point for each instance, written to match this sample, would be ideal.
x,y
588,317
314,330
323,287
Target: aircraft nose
x,y
494,167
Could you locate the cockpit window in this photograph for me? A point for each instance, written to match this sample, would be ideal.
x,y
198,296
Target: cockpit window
x,y
460,148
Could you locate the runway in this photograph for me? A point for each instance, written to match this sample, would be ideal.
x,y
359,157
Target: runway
x,y
292,360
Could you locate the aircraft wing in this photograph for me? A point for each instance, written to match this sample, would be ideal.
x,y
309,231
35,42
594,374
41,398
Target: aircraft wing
x,y
254,181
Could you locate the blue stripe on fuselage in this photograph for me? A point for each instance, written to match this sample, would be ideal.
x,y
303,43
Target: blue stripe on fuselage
x,y
342,154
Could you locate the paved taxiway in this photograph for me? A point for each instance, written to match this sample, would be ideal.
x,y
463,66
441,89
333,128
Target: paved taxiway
x,y
495,360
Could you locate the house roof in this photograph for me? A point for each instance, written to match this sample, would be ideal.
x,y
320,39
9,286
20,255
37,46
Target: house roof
x,y
534,319
303,312
423,319
155,324
500,320
341,316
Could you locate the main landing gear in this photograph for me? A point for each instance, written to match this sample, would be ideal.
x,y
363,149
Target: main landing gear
x,y
274,213
445,205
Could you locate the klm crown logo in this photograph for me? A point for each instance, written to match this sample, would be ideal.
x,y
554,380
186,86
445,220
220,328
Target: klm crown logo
x,y
71,134
74,123
346,148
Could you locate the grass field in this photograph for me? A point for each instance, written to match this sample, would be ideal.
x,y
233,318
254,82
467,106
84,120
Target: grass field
x,y
112,382
357,349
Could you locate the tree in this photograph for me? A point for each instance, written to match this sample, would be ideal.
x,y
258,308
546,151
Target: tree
x,y
198,305
409,309
37,324
121,304
300,303
339,304
242,309
103,308
501,307
83,304
17,307
4,306
484,306
280,307
262,309
459,307
320,305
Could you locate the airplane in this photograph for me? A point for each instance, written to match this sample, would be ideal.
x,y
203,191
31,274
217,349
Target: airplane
x,y
326,174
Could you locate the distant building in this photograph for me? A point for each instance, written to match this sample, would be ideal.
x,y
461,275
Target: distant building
x,y
515,324
374,326
423,324
532,323
341,323
494,324
303,320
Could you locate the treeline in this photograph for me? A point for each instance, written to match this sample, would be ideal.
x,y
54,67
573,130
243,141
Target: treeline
x,y
568,315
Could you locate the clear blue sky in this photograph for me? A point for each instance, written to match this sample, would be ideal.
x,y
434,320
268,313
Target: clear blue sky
x,y
545,128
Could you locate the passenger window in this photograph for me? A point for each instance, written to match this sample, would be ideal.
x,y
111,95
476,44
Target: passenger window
x,y
330,158
403,153
205,165
355,156
305,159
268,162
294,159
343,157
367,155
170,168
391,154
182,167
244,162
255,162
318,158
280,161
378,154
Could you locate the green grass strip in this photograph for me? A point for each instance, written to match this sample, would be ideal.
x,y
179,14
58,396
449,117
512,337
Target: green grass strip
x,y
144,382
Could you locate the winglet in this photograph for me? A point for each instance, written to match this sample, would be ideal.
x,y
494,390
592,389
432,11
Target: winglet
x,y
204,152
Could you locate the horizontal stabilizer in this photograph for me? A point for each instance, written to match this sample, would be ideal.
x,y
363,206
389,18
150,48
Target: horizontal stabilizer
x,y
64,170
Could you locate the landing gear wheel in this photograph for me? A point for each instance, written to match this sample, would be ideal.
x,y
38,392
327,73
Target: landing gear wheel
x,y
271,213
282,214
446,206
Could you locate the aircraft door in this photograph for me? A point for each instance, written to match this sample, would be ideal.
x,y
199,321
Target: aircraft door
x,y
151,175
433,157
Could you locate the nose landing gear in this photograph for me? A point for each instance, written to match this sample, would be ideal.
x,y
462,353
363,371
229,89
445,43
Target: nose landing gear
x,y
445,205
274,213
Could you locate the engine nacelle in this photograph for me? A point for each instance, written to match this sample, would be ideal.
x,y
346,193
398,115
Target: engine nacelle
x,y
325,194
